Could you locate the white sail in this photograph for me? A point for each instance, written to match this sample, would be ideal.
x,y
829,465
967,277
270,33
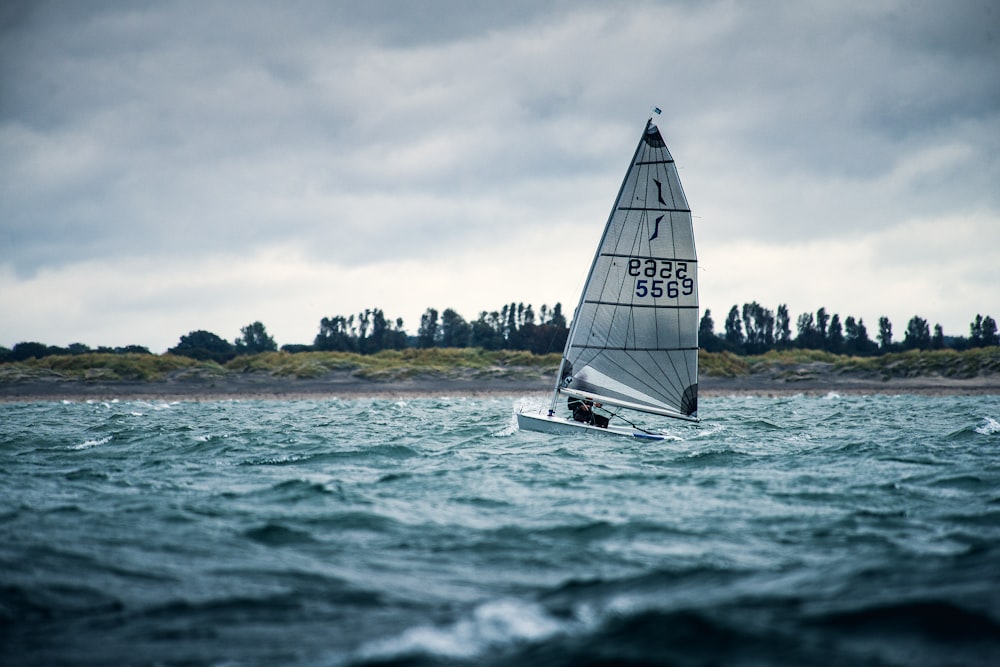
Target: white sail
x,y
634,338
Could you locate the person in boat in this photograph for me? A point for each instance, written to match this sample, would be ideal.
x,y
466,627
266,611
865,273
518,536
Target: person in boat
x,y
583,411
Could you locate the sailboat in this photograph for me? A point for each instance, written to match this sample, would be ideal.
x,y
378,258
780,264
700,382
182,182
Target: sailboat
x,y
633,343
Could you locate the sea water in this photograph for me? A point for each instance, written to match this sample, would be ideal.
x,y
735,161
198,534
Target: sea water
x,y
837,530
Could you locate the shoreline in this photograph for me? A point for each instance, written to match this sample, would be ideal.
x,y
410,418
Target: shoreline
x,y
342,386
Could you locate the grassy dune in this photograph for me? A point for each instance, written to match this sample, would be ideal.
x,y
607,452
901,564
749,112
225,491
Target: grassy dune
x,y
792,364
387,365
474,363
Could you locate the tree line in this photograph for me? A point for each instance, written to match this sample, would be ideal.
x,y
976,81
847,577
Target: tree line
x,y
754,329
750,329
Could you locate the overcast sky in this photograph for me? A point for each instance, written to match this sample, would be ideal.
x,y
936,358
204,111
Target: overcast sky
x,y
173,166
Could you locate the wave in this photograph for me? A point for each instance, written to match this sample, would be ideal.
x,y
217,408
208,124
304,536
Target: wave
x,y
987,426
492,627
934,619
277,535
772,632
990,427
53,602
95,442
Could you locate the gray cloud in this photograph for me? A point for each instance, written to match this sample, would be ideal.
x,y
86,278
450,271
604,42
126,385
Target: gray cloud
x,y
367,132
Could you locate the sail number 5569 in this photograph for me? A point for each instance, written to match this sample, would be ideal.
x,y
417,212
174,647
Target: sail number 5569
x,y
659,277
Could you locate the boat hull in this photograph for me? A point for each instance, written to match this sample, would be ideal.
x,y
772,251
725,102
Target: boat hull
x,y
544,423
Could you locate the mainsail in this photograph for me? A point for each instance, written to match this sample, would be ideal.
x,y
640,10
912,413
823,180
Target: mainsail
x,y
634,338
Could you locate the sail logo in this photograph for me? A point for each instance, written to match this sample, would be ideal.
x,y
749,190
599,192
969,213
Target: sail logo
x,y
659,198
656,229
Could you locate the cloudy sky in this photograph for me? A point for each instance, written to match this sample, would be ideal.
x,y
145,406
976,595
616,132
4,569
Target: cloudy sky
x,y
173,166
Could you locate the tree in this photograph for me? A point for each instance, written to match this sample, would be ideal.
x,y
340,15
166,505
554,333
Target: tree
x,y
865,345
937,340
204,346
990,336
976,332
759,324
28,350
783,333
856,339
983,332
427,334
835,335
707,340
336,334
510,326
734,329
551,334
918,334
706,327
486,331
383,336
822,320
807,336
254,340
850,335
884,333
556,317
455,331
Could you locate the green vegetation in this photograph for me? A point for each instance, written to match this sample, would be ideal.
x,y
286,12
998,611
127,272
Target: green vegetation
x,y
399,364
791,364
383,366
514,340
477,363
100,366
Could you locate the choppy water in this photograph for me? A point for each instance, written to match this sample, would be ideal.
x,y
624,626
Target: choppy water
x,y
791,531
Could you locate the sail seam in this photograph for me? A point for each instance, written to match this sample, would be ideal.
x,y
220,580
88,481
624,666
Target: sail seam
x,y
639,305
635,349
661,210
673,259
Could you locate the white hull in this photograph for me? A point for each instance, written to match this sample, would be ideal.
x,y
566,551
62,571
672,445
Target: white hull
x,y
543,423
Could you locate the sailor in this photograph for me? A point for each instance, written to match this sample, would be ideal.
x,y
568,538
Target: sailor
x,y
583,411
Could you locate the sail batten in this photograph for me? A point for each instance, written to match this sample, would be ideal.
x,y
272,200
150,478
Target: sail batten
x,y
633,306
634,338
655,210
636,349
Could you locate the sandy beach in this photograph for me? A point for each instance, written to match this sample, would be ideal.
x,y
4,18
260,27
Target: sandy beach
x,y
261,386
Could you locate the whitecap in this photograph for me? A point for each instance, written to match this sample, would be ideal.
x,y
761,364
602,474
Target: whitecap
x,y
91,443
990,426
493,625
707,430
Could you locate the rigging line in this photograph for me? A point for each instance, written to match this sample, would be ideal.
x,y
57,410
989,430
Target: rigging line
x,y
617,415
